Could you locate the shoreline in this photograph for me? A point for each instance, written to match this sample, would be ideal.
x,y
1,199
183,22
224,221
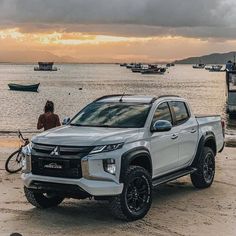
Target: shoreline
x,y
10,139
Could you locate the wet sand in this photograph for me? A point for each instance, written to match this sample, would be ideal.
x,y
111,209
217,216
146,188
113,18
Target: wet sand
x,y
178,208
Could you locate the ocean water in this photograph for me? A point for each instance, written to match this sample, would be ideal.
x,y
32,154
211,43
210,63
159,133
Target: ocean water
x,y
205,91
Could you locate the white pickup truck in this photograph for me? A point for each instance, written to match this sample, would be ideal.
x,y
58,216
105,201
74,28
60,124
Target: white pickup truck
x,y
118,148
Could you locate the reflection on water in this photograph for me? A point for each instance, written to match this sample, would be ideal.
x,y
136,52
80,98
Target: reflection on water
x,y
19,110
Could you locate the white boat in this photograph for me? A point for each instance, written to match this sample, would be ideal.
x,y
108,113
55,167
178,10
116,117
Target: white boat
x,y
216,68
199,66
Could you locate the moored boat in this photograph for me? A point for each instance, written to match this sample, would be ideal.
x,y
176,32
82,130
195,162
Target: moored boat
x,y
20,87
45,66
140,68
123,64
170,64
157,70
216,68
129,66
199,66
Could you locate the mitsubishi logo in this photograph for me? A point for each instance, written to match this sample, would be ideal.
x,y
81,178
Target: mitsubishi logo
x,y
55,152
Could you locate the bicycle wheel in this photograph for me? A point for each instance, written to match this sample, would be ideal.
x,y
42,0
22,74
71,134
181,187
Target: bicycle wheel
x,y
13,163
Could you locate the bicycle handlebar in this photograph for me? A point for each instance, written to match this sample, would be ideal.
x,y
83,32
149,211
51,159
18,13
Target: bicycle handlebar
x,y
21,136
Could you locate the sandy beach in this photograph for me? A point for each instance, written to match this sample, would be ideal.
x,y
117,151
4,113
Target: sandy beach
x,y
178,208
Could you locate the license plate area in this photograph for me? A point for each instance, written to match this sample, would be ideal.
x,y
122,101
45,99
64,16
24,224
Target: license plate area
x,y
54,165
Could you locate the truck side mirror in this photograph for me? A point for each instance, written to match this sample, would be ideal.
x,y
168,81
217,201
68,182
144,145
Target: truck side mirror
x,y
66,120
161,126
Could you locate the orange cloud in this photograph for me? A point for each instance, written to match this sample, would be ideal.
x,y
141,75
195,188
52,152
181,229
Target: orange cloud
x,y
81,47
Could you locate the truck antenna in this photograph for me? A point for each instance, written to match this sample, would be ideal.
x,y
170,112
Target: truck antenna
x,y
121,99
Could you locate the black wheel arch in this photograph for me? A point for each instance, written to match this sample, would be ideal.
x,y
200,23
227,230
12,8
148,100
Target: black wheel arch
x,y
139,156
207,140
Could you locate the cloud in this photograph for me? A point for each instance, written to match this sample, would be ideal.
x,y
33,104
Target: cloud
x,y
190,18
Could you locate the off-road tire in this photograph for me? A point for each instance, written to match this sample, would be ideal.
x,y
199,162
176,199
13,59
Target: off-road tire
x,y
39,200
198,178
119,204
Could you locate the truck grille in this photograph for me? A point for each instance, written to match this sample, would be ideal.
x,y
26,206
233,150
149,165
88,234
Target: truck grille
x,y
58,161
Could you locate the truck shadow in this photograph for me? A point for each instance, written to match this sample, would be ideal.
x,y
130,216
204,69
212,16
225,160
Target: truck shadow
x,y
88,214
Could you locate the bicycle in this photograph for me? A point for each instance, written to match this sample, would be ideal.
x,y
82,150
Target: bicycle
x,y
13,163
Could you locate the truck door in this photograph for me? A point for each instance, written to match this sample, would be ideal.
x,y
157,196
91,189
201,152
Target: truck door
x,y
164,145
188,131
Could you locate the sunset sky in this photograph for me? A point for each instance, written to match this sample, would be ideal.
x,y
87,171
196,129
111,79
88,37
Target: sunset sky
x,y
115,30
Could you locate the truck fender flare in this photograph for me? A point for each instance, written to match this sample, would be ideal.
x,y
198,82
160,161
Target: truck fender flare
x,y
203,140
135,154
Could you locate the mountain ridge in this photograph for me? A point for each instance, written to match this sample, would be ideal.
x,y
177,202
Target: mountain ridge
x,y
213,58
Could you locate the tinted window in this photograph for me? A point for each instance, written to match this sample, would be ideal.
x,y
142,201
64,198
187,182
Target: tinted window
x,y
181,113
114,115
162,113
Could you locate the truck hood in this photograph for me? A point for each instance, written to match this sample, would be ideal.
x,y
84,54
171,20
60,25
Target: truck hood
x,y
86,136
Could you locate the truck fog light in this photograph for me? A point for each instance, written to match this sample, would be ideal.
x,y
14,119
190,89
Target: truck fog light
x,y
109,166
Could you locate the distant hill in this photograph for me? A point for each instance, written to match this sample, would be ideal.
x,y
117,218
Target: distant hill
x,y
215,58
32,57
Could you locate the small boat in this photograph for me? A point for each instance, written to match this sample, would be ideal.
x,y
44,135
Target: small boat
x,y
199,66
157,70
170,64
123,64
136,70
216,68
129,66
139,68
20,87
208,67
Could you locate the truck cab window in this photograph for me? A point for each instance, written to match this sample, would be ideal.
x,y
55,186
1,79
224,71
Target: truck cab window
x,y
181,112
162,113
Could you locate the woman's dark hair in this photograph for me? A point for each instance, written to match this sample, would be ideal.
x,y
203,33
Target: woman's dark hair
x,y
49,107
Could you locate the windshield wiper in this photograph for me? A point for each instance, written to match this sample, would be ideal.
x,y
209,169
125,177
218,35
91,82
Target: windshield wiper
x,y
76,125
106,126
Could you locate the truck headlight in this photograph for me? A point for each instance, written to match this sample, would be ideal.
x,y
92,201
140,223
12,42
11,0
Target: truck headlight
x,y
26,158
109,166
26,150
23,163
107,148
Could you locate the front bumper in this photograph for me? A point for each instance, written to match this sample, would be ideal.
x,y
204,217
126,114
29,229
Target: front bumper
x,y
93,187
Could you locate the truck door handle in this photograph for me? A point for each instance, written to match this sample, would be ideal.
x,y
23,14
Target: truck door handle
x,y
174,136
193,131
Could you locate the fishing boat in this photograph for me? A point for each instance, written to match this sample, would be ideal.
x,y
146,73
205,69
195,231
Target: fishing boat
x,y
157,70
45,66
20,87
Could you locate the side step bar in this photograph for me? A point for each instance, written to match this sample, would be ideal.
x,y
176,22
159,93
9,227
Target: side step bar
x,y
172,176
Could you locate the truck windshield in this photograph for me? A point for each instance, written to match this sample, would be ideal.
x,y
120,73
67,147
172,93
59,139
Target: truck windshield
x,y
113,115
